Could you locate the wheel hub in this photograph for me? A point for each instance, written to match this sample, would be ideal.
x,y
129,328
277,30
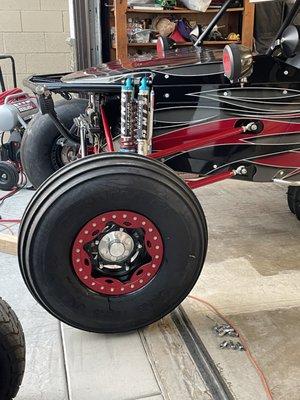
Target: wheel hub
x,y
117,253
116,246
68,154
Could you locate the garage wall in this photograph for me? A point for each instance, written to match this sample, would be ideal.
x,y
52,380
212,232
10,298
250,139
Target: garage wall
x,y
35,33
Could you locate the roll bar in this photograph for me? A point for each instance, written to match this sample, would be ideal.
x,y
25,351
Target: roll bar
x,y
213,22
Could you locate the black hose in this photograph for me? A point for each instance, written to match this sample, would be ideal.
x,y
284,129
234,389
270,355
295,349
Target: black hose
x,y
62,129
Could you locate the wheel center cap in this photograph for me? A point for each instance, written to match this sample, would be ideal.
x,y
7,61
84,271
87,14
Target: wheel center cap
x,y
116,246
117,249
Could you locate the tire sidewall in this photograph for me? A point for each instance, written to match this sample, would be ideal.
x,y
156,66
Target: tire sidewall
x,y
40,138
293,197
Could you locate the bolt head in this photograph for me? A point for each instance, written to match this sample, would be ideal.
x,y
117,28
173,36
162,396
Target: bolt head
x,y
40,89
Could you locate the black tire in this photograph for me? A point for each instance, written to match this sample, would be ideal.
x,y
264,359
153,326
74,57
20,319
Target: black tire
x,y
92,186
9,176
38,148
293,197
12,352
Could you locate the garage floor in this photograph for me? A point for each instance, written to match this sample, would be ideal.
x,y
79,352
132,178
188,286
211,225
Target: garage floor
x,y
251,275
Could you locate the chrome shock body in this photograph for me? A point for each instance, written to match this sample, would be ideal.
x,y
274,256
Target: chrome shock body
x,y
137,117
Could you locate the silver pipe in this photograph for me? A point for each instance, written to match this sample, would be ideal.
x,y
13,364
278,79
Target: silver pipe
x,y
283,182
82,139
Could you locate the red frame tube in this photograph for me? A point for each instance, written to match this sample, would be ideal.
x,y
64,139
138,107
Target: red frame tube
x,y
107,131
208,180
196,143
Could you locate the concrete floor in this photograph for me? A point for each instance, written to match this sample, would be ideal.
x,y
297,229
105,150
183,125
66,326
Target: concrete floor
x,y
251,275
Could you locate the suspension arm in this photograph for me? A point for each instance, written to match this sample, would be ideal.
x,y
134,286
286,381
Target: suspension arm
x,y
208,180
198,143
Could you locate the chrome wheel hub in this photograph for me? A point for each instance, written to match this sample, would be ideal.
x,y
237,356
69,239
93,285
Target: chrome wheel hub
x,y
116,246
117,252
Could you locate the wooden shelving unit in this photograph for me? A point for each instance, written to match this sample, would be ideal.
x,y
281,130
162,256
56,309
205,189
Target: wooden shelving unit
x,y
242,17
206,43
180,11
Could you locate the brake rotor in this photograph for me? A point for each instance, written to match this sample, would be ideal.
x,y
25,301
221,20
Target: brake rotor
x,y
116,247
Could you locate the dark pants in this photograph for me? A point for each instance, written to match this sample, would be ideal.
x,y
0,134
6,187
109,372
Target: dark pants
x,y
268,19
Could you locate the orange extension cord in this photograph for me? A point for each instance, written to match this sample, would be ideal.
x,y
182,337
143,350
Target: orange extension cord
x,y
244,343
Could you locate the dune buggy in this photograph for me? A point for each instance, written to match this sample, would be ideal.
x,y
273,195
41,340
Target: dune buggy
x,y
115,241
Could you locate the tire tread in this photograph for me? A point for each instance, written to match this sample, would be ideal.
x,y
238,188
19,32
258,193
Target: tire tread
x,y
12,347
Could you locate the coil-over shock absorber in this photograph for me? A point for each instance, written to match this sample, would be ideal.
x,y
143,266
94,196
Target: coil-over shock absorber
x,y
143,117
137,117
127,117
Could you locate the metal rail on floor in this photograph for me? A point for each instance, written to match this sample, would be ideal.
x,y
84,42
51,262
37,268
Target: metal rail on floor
x,y
203,361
